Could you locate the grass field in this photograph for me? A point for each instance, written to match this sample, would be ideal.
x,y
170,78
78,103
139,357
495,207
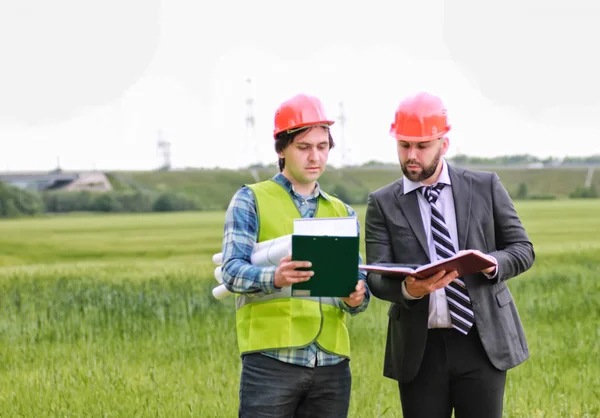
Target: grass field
x,y
112,316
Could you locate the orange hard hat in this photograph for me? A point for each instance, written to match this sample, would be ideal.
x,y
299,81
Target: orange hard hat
x,y
420,118
298,112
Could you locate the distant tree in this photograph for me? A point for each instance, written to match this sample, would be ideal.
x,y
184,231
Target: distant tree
x,y
522,191
135,201
18,202
460,159
62,201
584,192
340,191
373,163
551,161
521,159
592,159
106,202
169,202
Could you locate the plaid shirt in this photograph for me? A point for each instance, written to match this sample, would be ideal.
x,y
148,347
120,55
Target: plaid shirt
x,y
240,276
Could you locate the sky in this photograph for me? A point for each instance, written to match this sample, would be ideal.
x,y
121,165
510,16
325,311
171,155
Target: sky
x,y
95,85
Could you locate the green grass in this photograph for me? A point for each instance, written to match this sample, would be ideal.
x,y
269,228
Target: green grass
x,y
114,238
113,316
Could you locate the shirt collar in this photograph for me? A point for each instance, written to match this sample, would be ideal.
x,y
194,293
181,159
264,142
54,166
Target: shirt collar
x,y
287,185
409,186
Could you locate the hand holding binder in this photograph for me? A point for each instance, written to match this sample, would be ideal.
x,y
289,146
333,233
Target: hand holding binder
x,y
290,272
331,245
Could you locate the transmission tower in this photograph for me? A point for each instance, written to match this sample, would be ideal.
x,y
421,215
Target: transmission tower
x,y
342,123
250,140
164,148
57,169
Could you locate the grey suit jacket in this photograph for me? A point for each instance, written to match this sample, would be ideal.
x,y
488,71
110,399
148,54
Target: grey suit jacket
x,y
487,221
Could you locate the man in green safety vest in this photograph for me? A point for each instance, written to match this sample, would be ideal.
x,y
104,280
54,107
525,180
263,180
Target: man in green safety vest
x,y
295,350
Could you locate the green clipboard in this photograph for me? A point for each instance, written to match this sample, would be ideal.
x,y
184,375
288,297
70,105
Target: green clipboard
x,y
334,261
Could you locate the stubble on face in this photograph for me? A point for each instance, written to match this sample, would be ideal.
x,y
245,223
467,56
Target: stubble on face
x,y
425,172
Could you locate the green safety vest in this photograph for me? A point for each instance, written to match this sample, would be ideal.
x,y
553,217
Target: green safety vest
x,y
278,320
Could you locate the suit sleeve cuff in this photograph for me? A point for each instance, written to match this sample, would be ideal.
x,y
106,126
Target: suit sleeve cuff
x,y
407,295
493,275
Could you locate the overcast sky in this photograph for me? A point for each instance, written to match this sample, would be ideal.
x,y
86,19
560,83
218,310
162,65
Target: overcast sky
x,y
93,82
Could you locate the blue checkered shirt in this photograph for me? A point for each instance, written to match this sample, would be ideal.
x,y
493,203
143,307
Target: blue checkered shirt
x,y
240,276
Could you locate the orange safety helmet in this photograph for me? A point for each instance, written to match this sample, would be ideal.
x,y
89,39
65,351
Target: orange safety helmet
x,y
298,112
420,118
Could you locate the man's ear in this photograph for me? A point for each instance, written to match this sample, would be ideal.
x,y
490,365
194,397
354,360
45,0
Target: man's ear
x,y
445,145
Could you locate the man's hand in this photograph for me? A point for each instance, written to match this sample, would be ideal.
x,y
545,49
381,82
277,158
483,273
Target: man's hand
x,y
357,296
489,270
418,288
286,273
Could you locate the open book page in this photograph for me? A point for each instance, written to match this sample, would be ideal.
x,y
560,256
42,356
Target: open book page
x,y
334,227
387,269
467,262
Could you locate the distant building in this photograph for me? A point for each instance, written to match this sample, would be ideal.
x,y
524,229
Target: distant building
x,y
93,181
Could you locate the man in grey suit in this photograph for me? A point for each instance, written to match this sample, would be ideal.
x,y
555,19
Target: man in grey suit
x,y
450,339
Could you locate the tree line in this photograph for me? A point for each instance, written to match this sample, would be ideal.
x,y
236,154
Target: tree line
x,y
15,202
512,160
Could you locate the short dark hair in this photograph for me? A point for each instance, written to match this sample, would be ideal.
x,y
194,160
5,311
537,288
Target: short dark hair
x,y
284,139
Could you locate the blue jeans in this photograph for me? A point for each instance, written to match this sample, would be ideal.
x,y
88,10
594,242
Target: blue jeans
x,y
271,388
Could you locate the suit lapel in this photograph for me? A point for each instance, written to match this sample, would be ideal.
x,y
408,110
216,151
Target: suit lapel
x,y
409,206
462,194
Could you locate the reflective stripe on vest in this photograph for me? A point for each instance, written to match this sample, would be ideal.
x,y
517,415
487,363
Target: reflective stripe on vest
x,y
277,320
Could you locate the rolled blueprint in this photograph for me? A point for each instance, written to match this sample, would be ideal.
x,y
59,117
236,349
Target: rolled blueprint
x,y
218,258
265,244
218,275
274,247
269,255
220,292
266,253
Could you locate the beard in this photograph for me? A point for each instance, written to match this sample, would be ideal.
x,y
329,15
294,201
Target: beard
x,y
425,173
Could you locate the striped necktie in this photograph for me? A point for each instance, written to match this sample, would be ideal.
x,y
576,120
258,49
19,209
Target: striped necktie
x,y
459,303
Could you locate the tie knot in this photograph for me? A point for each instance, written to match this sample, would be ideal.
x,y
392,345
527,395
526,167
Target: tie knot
x,y
432,193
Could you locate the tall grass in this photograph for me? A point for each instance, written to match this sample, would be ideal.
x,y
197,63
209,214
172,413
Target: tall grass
x,y
113,316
